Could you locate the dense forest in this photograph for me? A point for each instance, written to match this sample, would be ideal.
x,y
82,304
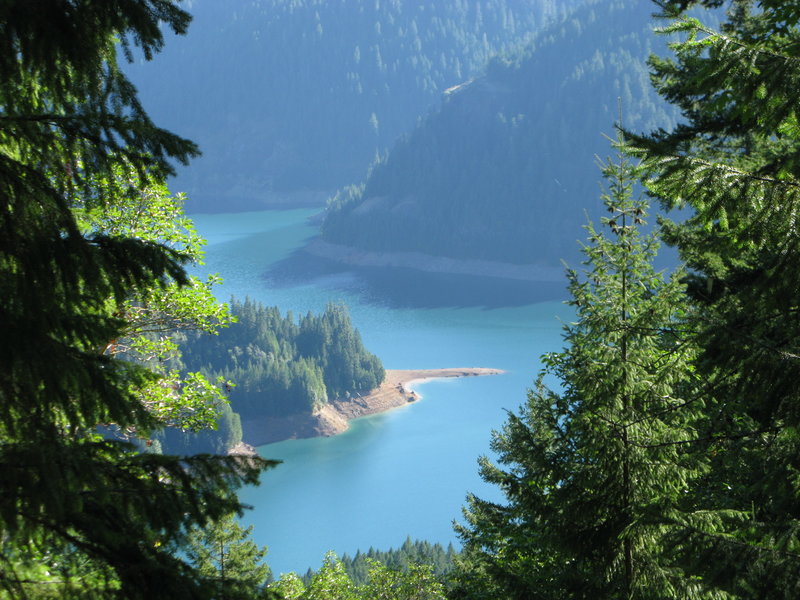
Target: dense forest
x,y
299,96
505,168
281,366
225,434
277,366
662,464
417,552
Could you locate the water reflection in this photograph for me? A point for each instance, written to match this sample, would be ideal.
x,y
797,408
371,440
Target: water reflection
x,y
398,287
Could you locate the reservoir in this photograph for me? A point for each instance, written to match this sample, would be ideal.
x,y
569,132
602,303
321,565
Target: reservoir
x,y
405,472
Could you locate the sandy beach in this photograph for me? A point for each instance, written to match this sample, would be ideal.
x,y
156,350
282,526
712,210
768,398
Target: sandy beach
x,y
396,390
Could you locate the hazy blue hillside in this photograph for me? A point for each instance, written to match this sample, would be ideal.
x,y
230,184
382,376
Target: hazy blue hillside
x,y
293,98
505,169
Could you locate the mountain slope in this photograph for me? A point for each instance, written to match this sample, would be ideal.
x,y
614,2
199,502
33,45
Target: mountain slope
x,y
293,98
504,169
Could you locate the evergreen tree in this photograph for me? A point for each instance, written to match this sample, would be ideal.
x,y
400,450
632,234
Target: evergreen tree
x,y
223,552
590,469
332,582
419,552
68,119
282,367
734,162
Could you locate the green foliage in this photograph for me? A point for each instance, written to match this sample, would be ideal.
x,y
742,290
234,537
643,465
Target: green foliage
x,y
288,587
281,366
502,171
81,515
591,470
223,552
148,212
419,552
734,162
219,439
332,582
416,583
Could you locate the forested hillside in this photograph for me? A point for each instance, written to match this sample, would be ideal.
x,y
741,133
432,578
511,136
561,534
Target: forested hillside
x,y
278,366
298,96
506,167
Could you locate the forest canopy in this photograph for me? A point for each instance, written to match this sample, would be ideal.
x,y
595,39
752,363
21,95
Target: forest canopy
x,y
283,83
503,169
276,366
282,366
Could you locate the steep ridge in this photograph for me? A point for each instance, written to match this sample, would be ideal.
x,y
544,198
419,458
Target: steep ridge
x,y
505,169
291,99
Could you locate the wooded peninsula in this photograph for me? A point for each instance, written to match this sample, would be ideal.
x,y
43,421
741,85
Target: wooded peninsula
x,y
293,378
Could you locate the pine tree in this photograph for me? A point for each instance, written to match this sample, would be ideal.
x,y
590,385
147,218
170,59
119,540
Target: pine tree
x,y
68,120
332,582
590,469
734,162
223,552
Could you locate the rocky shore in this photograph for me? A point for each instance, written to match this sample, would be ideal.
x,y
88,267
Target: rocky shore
x,y
332,419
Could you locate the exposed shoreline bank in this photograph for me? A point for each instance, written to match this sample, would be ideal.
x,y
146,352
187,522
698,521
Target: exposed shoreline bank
x,y
396,390
356,257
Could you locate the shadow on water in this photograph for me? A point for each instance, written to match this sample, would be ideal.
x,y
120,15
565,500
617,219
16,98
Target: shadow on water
x,y
396,287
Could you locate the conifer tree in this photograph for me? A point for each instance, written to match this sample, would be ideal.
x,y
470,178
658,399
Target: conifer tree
x,y
68,119
587,471
223,552
734,163
332,582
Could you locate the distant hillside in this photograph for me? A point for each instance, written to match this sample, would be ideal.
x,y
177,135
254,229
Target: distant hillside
x,y
505,169
291,99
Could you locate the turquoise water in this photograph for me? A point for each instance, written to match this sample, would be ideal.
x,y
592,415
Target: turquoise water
x,y
401,473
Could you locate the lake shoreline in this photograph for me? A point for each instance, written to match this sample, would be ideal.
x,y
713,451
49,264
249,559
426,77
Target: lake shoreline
x,y
356,257
333,419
